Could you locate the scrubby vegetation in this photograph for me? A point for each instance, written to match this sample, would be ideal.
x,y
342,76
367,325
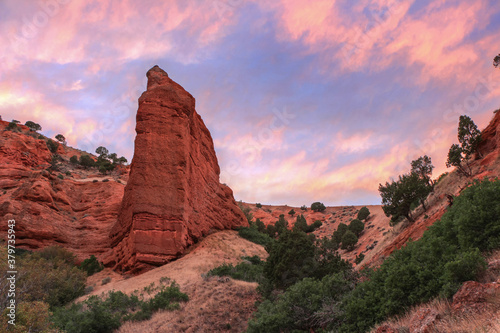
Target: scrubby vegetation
x,y
104,315
91,266
363,213
52,145
308,286
48,276
251,269
256,233
447,255
33,126
48,280
318,207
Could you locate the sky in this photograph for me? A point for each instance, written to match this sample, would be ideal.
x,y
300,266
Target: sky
x,y
305,100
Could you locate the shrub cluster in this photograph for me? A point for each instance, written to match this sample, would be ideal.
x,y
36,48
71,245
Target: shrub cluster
x,y
301,224
106,315
251,270
105,162
307,286
346,236
446,256
46,280
91,266
363,213
318,207
253,234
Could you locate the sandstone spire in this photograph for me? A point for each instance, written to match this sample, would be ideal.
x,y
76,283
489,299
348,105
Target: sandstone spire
x,y
173,196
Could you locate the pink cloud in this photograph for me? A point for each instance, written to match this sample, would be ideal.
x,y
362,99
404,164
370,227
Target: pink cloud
x,y
434,38
357,143
129,28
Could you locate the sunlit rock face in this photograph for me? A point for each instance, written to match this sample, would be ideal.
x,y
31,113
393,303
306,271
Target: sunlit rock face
x,y
173,196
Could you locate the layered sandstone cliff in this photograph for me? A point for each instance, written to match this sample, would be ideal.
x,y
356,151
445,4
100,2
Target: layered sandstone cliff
x,y
173,196
70,206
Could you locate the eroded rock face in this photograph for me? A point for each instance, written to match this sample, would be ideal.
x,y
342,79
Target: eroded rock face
x,y
173,196
473,296
490,136
53,208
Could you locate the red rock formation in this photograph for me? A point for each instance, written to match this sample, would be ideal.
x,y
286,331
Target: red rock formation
x,y
173,196
53,208
473,296
490,136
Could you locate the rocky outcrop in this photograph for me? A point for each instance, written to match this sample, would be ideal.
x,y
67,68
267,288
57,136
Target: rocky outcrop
x,y
173,196
473,297
61,207
490,136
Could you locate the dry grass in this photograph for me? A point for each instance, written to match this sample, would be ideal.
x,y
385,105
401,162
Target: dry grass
x,y
213,306
451,321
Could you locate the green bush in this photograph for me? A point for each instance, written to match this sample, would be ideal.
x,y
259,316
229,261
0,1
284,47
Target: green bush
x,y
167,299
475,216
271,230
291,212
86,161
251,270
33,126
48,276
297,255
56,253
73,159
258,205
52,145
308,305
261,227
349,240
91,266
316,225
357,227
253,235
359,258
291,258
104,165
281,225
318,207
98,315
363,213
12,126
300,223
304,208
30,317
341,230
